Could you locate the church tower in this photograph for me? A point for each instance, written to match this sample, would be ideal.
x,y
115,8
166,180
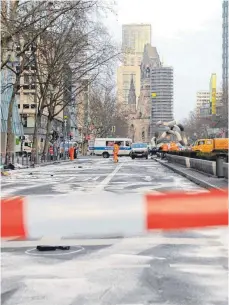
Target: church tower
x,y
132,96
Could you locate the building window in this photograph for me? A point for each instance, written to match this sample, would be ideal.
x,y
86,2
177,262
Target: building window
x,y
25,106
33,106
26,78
24,120
18,106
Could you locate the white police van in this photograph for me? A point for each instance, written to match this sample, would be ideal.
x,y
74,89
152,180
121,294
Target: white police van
x,y
104,146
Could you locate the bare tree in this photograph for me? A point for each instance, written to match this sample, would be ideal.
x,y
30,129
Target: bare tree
x,y
197,127
23,22
75,50
104,112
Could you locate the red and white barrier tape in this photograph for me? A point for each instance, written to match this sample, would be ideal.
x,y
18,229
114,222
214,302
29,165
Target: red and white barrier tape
x,y
108,214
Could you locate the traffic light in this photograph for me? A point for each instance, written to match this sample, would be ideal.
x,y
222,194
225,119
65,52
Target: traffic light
x,y
70,137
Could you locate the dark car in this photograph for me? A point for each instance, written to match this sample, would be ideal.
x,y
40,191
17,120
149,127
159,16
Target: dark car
x,y
139,150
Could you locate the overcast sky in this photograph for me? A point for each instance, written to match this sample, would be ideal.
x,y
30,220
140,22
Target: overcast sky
x,y
187,35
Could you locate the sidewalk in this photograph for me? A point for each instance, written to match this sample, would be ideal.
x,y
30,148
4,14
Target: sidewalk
x,y
208,182
29,166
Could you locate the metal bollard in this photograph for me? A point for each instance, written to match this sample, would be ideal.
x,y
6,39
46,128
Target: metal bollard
x,y
219,166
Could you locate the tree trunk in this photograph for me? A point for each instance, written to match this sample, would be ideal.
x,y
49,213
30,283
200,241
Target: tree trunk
x,y
48,129
36,138
10,135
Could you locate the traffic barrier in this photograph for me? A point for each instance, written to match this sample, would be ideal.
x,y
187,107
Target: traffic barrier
x,y
26,218
208,167
176,159
225,170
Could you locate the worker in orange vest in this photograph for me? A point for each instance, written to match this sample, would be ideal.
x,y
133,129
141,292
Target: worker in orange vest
x,y
116,151
164,149
71,153
173,146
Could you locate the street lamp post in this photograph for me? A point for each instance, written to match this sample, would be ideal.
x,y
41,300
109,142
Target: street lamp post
x,y
65,134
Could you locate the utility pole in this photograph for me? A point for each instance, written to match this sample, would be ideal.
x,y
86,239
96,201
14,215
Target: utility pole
x,y
86,117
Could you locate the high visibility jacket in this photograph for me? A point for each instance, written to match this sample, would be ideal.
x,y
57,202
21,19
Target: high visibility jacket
x,y
173,147
116,149
165,147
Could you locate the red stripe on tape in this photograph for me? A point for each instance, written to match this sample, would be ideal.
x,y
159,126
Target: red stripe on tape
x,y
179,211
12,217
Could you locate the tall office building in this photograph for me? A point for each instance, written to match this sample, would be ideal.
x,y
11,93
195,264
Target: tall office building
x,y
203,106
209,102
225,53
161,87
134,39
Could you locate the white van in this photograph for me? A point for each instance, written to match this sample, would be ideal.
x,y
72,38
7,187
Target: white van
x,y
104,146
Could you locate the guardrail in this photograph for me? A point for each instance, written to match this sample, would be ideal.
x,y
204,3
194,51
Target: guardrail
x,y
216,168
225,170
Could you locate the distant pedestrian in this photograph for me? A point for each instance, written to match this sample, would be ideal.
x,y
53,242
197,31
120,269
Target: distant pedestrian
x,y
51,152
71,153
116,151
75,152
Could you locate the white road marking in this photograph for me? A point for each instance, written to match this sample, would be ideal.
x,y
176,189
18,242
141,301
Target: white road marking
x,y
90,178
126,266
105,182
200,269
72,178
147,178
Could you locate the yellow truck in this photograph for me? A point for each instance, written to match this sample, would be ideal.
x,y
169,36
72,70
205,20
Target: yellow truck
x,y
211,146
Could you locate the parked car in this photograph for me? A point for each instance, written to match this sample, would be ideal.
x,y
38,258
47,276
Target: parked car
x,y
139,150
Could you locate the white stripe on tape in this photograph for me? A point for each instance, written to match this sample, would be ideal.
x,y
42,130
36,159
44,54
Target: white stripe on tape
x,y
103,214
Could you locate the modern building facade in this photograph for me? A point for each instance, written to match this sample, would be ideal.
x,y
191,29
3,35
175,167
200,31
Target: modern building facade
x,y
225,52
161,90
203,106
209,102
134,39
28,100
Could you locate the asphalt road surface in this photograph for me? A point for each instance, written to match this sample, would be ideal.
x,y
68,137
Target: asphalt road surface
x,y
179,268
